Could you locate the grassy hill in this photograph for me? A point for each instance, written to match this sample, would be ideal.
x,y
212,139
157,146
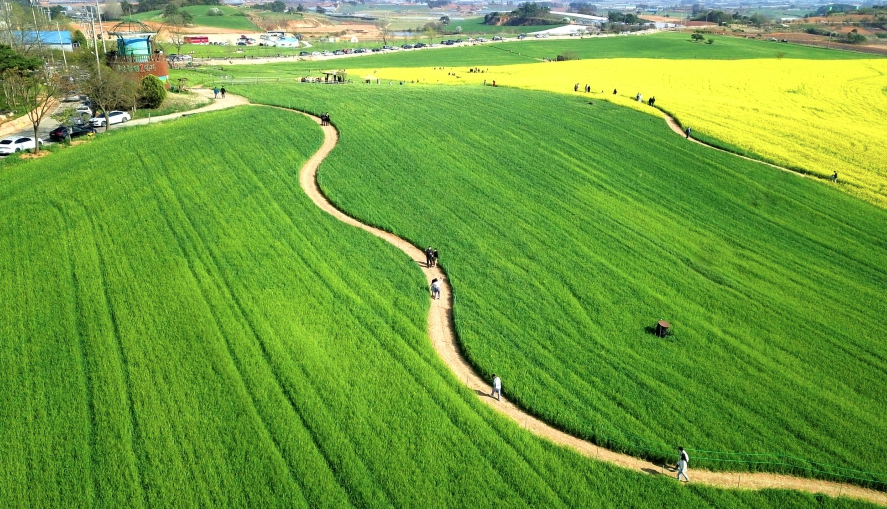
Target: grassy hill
x,y
568,229
233,18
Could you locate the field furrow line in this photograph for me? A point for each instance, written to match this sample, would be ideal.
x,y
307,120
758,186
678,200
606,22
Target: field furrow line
x,y
441,333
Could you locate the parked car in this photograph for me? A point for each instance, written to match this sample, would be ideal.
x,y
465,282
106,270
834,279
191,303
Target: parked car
x,y
420,45
387,47
84,109
497,38
75,131
407,46
376,50
15,144
304,53
114,117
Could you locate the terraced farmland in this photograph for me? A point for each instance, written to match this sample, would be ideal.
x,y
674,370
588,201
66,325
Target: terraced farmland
x,y
182,327
567,229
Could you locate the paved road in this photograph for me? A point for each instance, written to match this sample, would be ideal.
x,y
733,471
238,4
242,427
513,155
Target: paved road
x,y
49,123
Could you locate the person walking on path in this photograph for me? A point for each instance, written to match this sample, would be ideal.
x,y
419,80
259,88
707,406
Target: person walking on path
x,y
687,132
434,257
429,257
497,388
682,464
223,92
834,177
215,92
435,288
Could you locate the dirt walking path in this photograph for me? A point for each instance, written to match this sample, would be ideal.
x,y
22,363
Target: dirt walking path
x,y
673,124
440,330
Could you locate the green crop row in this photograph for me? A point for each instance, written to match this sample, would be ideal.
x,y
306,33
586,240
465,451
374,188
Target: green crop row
x,y
181,327
568,229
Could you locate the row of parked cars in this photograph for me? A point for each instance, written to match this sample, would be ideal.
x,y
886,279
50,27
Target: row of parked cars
x,y
14,144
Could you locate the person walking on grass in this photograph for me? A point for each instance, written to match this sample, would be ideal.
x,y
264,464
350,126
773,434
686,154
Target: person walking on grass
x,y
682,464
687,132
429,256
497,388
435,288
834,177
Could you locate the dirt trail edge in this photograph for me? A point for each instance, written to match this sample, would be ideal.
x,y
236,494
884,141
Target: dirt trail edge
x,y
440,330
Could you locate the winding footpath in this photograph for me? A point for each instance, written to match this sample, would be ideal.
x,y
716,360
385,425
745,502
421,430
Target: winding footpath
x,y
440,331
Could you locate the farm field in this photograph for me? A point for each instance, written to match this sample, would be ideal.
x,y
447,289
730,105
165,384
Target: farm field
x,y
804,115
668,46
562,249
184,328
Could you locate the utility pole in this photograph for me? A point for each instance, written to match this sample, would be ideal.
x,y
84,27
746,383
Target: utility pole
x,y
95,48
62,44
98,11
37,31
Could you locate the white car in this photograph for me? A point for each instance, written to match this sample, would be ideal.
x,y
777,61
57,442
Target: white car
x,y
114,117
15,144
84,109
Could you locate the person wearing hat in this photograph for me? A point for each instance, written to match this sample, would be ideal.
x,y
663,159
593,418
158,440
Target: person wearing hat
x,y
682,464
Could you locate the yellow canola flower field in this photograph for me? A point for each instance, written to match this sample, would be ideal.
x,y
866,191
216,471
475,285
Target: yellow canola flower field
x,y
816,116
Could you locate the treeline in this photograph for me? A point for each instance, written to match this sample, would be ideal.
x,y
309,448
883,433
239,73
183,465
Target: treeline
x,y
721,17
583,8
529,13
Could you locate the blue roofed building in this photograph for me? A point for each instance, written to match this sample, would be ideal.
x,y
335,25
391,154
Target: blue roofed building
x,y
53,39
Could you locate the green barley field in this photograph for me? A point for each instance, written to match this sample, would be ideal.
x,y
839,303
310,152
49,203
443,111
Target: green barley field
x,y
181,327
568,229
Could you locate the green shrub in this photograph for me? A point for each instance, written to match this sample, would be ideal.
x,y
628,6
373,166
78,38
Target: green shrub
x,y
152,92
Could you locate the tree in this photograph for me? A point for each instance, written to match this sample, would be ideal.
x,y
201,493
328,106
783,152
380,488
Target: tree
x,y
112,10
300,8
430,32
56,12
171,12
320,10
35,92
108,90
126,7
758,19
66,118
151,92
384,31
175,29
11,59
444,20
697,37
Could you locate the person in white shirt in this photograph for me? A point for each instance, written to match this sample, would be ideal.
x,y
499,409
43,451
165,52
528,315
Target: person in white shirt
x,y
497,388
682,464
435,288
